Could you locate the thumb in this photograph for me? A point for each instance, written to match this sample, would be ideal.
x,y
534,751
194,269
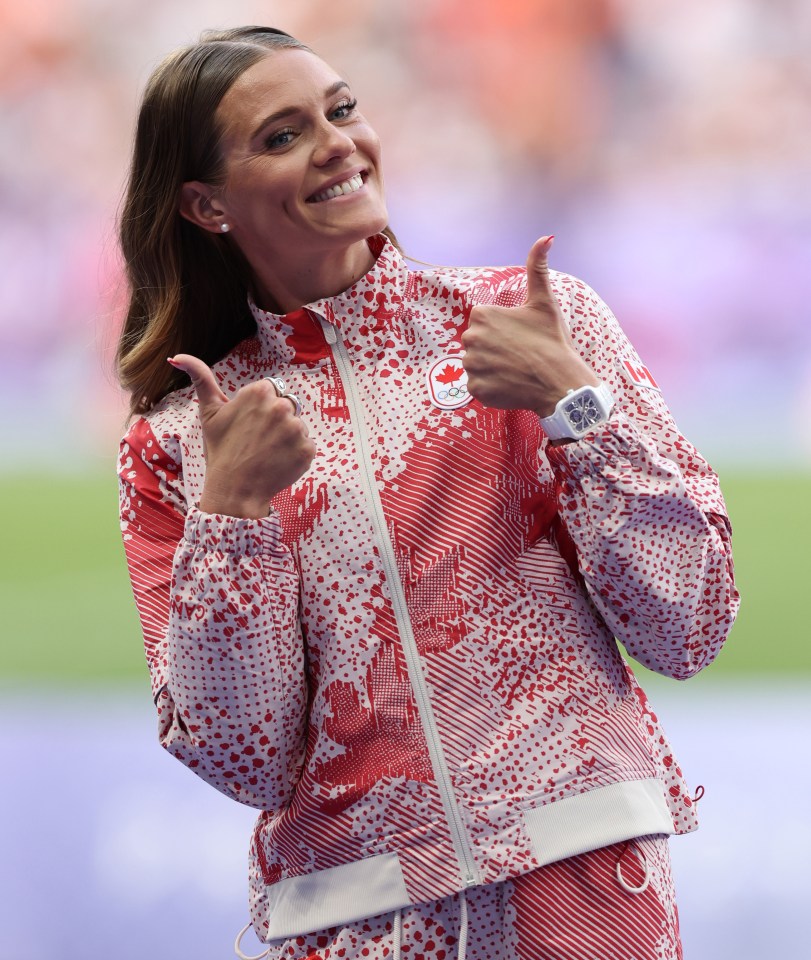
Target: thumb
x,y
539,289
203,380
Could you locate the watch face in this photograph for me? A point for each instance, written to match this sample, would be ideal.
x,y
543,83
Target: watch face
x,y
582,412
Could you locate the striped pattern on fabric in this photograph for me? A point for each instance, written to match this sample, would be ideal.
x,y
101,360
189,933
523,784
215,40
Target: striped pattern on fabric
x,y
575,909
151,530
571,910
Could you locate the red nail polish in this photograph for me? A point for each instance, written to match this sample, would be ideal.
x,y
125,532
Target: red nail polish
x,y
174,363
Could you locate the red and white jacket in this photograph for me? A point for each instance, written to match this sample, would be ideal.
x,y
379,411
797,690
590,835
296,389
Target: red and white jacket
x,y
410,665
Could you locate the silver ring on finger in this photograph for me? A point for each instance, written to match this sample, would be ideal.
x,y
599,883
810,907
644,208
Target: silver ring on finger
x,y
295,401
278,385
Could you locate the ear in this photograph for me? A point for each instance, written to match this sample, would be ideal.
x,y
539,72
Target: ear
x,y
200,204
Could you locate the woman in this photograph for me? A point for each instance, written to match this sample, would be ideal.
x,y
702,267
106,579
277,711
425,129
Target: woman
x,y
381,546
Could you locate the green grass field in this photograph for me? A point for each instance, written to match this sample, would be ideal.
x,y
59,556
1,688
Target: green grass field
x,y
68,614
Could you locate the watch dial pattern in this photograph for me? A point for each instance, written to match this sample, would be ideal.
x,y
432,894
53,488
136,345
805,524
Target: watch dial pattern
x,y
582,413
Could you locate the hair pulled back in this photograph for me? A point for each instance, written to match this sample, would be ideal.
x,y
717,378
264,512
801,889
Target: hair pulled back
x,y
187,287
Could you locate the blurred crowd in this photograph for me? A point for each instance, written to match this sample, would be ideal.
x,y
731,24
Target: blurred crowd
x,y
667,145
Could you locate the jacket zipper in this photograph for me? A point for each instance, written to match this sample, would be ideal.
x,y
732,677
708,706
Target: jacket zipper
x,y
419,686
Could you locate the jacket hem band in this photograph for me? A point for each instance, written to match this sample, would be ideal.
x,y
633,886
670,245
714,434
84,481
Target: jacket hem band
x,y
605,815
338,895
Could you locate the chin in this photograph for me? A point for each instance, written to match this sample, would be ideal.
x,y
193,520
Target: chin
x,y
379,226
361,230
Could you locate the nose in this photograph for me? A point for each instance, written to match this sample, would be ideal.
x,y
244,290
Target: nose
x,y
332,144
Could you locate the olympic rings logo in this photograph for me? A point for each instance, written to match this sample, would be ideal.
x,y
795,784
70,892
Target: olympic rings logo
x,y
453,393
447,383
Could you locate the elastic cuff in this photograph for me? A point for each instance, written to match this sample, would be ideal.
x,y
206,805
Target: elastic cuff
x,y
236,535
617,439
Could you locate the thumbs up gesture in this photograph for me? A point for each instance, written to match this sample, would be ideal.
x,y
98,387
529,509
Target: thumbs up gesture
x,y
254,443
523,357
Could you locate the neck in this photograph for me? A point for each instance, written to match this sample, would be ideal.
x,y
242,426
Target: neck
x,y
286,286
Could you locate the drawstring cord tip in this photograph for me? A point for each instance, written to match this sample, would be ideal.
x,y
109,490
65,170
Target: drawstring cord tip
x,y
238,948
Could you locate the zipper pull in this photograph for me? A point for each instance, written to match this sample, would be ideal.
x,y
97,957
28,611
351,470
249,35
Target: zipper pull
x,y
329,331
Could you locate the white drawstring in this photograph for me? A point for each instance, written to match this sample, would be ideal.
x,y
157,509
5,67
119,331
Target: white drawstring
x,y
397,935
238,949
640,856
462,926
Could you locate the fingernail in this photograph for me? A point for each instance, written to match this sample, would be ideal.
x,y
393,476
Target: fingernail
x,y
174,363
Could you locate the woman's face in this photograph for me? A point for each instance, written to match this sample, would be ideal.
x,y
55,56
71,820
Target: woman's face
x,y
302,164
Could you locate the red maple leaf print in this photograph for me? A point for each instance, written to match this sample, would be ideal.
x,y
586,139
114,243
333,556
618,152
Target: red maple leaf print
x,y
378,729
449,374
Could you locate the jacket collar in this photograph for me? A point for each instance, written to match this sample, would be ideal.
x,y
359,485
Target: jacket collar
x,y
371,302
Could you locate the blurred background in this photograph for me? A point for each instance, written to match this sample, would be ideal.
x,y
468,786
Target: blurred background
x,y
668,147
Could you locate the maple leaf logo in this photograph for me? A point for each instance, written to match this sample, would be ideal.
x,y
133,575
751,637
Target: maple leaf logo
x,y
447,379
449,374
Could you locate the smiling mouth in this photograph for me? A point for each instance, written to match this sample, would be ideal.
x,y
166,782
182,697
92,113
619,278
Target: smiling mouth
x,y
339,190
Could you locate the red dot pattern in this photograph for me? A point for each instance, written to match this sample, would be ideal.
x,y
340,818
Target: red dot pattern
x,y
571,910
275,655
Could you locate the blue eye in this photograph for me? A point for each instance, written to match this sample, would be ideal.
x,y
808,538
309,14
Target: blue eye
x,y
281,138
344,108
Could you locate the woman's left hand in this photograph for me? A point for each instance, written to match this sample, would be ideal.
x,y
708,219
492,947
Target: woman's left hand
x,y
523,357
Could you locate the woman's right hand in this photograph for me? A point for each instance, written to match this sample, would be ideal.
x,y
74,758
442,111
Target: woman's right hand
x,y
254,443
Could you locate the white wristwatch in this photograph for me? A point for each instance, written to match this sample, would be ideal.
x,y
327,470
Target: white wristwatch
x,y
578,412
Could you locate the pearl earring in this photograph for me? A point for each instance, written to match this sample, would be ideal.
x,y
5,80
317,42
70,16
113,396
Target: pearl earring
x,y
224,227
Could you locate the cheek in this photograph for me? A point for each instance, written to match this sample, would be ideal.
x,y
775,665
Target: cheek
x,y
366,138
259,193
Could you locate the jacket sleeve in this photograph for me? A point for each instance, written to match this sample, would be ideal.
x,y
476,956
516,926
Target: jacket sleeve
x,y
218,601
644,509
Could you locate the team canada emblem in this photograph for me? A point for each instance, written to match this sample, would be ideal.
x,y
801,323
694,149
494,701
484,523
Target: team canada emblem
x,y
447,383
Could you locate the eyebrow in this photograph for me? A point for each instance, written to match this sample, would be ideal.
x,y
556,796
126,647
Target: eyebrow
x,y
289,111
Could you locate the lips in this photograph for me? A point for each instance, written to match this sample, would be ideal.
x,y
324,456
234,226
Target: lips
x,y
340,189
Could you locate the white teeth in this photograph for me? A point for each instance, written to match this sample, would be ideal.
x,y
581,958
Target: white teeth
x,y
348,186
